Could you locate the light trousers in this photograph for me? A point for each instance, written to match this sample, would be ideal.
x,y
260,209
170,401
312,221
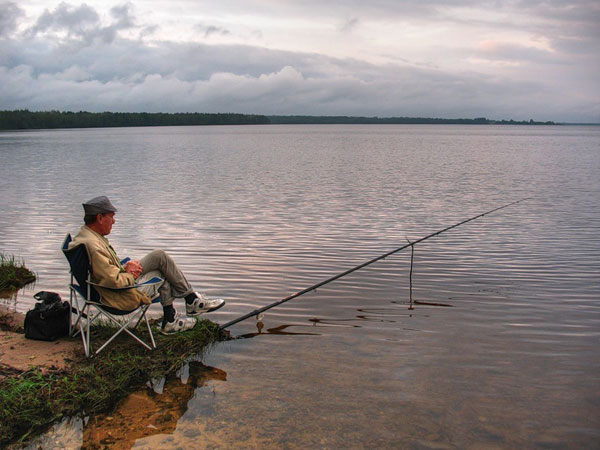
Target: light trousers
x,y
159,264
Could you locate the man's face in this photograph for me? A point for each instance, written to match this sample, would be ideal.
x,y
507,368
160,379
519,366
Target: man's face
x,y
105,222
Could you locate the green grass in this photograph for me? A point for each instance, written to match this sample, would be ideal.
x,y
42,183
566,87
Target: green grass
x,y
30,402
13,273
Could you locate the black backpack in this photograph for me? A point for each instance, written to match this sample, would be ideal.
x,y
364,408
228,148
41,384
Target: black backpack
x,y
49,319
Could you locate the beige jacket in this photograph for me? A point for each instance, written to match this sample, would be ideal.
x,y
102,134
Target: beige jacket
x,y
107,271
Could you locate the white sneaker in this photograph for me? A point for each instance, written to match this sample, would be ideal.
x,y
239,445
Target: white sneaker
x,y
179,324
203,304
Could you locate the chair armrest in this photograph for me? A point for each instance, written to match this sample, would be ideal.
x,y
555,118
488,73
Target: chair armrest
x,y
151,281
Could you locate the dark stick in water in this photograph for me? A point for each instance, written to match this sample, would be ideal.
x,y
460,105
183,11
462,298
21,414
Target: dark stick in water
x,y
412,258
360,266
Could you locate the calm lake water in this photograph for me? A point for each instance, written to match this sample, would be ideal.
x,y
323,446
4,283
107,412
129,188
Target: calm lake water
x,y
255,213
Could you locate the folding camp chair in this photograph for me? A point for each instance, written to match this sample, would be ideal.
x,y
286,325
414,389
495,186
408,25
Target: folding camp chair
x,y
91,306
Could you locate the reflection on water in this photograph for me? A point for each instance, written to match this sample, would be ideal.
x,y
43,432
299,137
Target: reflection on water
x,y
281,329
256,213
154,410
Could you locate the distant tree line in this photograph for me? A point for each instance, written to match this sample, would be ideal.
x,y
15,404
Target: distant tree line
x,y
25,119
395,120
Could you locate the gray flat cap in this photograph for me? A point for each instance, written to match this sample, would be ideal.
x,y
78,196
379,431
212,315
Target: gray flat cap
x,y
99,205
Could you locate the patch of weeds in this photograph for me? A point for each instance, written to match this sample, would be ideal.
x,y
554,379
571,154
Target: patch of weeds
x,y
32,401
13,273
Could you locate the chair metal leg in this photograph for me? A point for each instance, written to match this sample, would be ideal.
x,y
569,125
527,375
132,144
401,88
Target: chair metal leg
x,y
138,322
123,328
149,331
85,316
85,334
74,299
71,309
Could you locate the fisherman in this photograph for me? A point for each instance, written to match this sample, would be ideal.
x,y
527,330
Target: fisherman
x,y
106,270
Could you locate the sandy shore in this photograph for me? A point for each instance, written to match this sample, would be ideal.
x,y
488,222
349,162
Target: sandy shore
x,y
18,354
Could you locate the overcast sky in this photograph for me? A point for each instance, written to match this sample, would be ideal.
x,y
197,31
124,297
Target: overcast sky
x,y
499,59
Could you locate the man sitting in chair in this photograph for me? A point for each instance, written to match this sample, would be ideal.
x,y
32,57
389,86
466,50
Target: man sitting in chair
x,y
108,271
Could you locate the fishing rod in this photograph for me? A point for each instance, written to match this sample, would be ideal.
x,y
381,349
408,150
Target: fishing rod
x,y
360,266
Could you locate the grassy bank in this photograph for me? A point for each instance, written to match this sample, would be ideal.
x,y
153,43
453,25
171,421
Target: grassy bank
x,y
32,400
13,273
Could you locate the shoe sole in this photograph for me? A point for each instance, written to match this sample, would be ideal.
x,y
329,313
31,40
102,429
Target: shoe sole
x,y
207,311
169,333
166,333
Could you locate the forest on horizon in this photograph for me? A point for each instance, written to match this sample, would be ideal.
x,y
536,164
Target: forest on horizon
x,y
25,119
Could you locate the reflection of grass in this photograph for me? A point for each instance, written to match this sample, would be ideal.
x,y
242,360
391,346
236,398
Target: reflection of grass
x,y
13,274
33,400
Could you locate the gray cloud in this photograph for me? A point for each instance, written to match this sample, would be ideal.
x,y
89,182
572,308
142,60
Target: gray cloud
x,y
82,24
518,53
65,17
283,83
574,21
349,25
9,15
70,60
122,14
562,10
211,29
551,12
148,30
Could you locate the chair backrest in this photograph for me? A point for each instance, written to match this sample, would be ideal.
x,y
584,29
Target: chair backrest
x,y
80,267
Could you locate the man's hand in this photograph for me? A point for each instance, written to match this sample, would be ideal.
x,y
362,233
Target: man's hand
x,y
134,268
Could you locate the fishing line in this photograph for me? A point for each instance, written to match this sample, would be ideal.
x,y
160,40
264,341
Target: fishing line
x,y
360,266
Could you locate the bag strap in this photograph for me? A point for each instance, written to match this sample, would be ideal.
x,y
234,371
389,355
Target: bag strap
x,y
47,297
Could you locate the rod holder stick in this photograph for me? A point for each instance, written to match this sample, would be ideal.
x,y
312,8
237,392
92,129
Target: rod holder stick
x,y
360,266
412,257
